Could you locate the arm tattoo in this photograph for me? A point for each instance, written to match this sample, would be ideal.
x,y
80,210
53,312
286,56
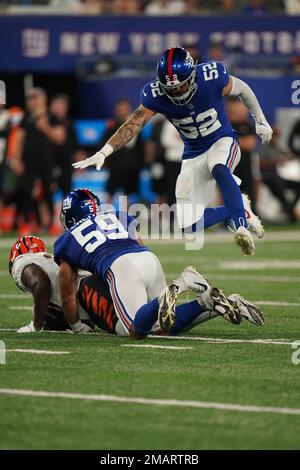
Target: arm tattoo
x,y
129,129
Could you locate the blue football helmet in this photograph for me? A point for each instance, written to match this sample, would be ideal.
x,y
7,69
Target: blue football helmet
x,y
78,205
176,73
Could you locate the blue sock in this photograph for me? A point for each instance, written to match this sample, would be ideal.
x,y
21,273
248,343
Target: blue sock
x,y
212,216
231,194
145,317
185,314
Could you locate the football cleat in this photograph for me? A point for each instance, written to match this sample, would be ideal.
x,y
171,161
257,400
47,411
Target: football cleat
x,y
214,300
166,311
254,223
247,310
244,240
190,279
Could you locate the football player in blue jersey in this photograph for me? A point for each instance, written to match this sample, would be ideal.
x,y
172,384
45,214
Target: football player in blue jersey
x,y
191,98
106,245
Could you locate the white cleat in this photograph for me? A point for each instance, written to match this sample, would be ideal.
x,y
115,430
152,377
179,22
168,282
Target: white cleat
x,y
253,221
247,310
167,305
190,279
244,240
214,300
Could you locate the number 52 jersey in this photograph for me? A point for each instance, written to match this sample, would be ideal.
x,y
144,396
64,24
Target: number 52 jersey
x,y
202,121
96,242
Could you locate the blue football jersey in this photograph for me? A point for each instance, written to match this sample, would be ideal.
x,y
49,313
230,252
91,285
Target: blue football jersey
x,y
202,121
96,242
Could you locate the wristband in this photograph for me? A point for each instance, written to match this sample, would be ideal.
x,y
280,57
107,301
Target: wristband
x,y
76,326
107,150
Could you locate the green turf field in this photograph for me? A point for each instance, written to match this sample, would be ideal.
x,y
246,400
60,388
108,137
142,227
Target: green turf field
x,y
209,369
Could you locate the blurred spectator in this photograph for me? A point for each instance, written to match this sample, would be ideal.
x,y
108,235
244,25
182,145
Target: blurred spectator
x,y
66,6
168,149
34,160
125,164
4,133
92,7
166,7
216,51
228,6
272,155
295,64
191,7
294,139
292,7
192,48
255,7
59,108
248,167
126,7
166,164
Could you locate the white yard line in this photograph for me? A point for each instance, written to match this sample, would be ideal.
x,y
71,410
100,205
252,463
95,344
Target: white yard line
x,y
155,346
227,340
38,351
153,401
275,303
281,341
20,307
240,277
15,296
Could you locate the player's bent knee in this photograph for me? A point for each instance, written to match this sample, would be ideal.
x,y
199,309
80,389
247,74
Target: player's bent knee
x,y
134,334
220,171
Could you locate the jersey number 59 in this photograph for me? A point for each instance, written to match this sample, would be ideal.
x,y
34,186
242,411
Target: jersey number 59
x,y
108,227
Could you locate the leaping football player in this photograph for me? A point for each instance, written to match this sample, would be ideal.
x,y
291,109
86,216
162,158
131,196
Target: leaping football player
x,y
191,98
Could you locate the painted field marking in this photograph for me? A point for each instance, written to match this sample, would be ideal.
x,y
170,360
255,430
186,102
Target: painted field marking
x,y
38,351
153,401
281,341
227,340
244,278
15,296
20,307
276,303
155,346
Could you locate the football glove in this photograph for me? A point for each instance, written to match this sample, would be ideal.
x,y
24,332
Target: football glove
x,y
28,329
97,160
81,328
263,130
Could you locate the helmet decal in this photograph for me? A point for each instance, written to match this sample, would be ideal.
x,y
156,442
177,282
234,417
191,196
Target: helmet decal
x,y
27,244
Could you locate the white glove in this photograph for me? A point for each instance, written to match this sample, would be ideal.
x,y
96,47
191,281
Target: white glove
x,y
263,130
97,159
81,328
28,329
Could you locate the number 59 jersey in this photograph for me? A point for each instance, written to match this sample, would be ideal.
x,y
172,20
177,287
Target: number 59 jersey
x,y
202,121
96,242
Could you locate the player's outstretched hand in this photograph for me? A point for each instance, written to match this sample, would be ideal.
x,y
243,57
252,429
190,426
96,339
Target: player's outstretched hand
x,y
28,328
97,160
81,328
264,131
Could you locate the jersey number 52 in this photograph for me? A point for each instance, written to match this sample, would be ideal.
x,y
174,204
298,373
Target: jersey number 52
x,y
206,122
